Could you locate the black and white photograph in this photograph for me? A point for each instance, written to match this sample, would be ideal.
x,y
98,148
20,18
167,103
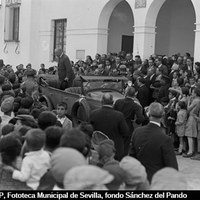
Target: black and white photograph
x,y
99,99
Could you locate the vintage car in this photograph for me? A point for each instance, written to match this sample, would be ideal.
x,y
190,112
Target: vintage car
x,y
83,99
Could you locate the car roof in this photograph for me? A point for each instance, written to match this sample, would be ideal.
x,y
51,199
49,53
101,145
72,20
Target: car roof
x,y
90,78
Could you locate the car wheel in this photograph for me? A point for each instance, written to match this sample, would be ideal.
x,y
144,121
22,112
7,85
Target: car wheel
x,y
80,112
44,100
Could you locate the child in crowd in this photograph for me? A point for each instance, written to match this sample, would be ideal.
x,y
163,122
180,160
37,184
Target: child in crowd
x,y
72,143
36,161
180,124
47,119
191,125
171,113
169,179
97,138
6,109
53,135
62,160
86,177
10,148
106,150
76,139
136,176
8,128
184,95
61,116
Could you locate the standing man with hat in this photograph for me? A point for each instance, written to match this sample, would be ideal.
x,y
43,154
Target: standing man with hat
x,y
65,72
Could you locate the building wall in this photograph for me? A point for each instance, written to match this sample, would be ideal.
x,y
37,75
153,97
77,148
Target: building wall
x,y
36,31
26,50
82,21
87,29
175,28
121,23
2,13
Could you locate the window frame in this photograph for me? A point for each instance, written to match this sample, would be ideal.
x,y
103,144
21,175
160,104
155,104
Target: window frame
x,y
11,31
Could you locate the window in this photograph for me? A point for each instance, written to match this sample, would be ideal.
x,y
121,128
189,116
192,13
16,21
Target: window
x,y
59,35
15,32
12,24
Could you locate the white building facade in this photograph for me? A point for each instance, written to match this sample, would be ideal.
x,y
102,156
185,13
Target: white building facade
x,y
30,30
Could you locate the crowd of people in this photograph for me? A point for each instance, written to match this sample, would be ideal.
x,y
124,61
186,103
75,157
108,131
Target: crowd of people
x,y
42,150
172,81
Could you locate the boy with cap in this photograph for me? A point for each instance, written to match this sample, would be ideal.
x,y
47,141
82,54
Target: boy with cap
x,y
97,138
106,150
36,161
135,174
62,160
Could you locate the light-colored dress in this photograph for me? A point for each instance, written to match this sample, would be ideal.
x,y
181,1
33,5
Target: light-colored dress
x,y
197,113
191,126
181,122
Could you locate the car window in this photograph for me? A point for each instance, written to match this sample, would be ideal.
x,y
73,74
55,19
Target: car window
x,y
90,85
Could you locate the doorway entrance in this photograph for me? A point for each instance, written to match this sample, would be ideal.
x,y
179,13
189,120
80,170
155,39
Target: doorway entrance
x,y
120,29
175,28
127,43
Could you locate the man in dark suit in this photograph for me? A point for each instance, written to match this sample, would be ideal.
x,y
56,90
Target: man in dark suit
x,y
143,92
164,86
188,67
131,109
65,72
111,122
151,146
129,62
163,68
151,77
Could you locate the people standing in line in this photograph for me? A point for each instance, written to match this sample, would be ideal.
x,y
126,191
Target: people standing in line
x,y
151,146
65,72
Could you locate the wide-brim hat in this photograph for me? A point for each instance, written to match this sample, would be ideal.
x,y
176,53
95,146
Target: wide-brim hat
x,y
98,137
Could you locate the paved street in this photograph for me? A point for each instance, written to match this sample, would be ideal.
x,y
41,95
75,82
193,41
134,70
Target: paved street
x,y
190,169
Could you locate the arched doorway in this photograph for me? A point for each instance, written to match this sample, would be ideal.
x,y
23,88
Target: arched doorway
x,y
117,19
175,28
120,29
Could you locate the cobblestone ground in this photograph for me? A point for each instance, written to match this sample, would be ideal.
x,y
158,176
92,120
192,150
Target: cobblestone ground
x,y
191,170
